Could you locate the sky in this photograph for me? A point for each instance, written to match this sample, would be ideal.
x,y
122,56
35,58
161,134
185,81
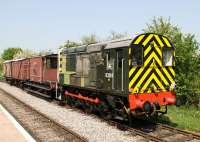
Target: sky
x,y
41,25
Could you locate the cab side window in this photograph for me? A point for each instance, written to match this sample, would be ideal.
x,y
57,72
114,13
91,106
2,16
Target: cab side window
x,y
51,63
168,56
137,56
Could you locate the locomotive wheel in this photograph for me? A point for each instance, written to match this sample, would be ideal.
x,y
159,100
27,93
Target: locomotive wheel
x,y
104,111
68,99
88,108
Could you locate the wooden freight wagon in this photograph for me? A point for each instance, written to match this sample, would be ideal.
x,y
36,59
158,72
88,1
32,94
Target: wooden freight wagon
x,y
43,75
7,70
20,70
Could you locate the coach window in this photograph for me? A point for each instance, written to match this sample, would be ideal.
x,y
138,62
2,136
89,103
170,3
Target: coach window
x,y
71,62
51,63
137,56
168,56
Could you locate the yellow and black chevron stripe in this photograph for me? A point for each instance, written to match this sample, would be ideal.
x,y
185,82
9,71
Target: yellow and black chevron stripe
x,y
152,76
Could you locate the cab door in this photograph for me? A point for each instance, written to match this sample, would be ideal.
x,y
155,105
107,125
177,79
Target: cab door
x,y
119,70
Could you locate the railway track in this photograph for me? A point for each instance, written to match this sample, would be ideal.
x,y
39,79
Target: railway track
x,y
164,133
40,126
148,131
158,132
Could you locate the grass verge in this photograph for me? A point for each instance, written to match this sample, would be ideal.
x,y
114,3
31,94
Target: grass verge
x,y
183,117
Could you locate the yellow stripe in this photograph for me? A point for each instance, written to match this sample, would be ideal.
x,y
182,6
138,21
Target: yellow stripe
x,y
161,76
167,42
147,50
135,77
142,79
172,71
147,39
167,74
157,59
157,49
129,51
153,76
153,55
148,59
139,39
129,62
147,83
131,71
159,41
158,82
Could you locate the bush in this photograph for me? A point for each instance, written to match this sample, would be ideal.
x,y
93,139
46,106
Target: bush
x,y
187,58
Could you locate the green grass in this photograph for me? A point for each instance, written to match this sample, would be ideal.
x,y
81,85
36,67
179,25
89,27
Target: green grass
x,y
187,118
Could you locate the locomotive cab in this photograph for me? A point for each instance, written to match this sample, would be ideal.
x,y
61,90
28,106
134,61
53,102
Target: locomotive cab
x,y
151,73
116,69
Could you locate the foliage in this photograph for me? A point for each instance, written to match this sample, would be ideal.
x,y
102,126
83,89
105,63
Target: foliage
x,y
114,35
90,39
1,68
9,53
24,54
69,44
187,58
44,52
182,117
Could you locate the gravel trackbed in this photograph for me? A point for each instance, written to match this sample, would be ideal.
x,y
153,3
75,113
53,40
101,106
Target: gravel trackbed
x,y
89,127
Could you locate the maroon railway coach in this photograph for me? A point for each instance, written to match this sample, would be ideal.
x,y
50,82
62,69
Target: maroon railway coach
x,y
7,70
43,75
20,70
37,74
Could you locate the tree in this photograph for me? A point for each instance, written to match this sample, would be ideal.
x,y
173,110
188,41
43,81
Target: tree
x,y
114,35
90,39
69,44
24,54
187,58
1,67
9,53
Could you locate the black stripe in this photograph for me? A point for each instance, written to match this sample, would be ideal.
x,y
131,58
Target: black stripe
x,y
158,55
139,77
148,54
162,40
145,80
165,76
159,78
134,73
158,44
167,68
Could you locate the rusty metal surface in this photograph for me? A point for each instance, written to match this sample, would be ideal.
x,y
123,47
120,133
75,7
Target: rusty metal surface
x,y
39,72
20,69
7,69
36,67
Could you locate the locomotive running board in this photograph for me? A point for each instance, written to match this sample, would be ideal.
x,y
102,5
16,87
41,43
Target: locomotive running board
x,y
37,86
38,93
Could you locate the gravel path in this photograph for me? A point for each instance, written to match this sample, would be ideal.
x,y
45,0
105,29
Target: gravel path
x,y
87,126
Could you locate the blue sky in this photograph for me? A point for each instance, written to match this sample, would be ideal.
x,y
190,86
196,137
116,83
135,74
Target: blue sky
x,y
45,24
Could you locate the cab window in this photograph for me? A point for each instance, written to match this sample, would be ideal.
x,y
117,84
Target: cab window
x,y
168,56
51,63
71,62
137,56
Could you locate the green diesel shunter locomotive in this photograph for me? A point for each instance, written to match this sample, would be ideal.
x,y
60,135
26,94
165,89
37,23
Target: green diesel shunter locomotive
x,y
119,78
